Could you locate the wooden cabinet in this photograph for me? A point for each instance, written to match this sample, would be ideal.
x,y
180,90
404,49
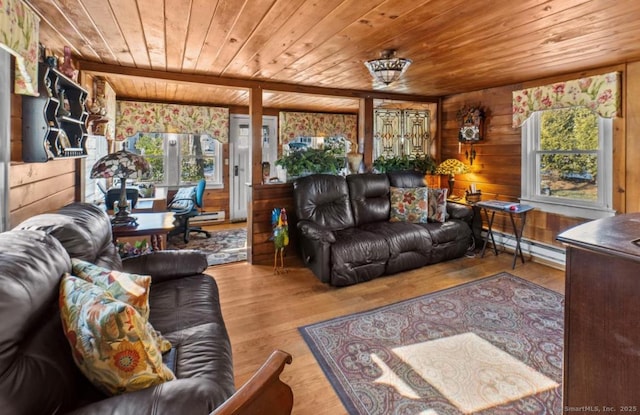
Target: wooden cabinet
x,y
54,123
602,332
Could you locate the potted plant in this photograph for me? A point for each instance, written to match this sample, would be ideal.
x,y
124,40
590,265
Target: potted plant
x,y
310,160
425,163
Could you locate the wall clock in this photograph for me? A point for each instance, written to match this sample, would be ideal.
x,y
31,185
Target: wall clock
x,y
471,129
472,123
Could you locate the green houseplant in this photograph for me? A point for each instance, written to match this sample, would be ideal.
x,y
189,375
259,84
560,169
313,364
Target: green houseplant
x,y
425,164
311,160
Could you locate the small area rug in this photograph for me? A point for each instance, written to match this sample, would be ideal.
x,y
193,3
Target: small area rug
x,y
223,246
491,346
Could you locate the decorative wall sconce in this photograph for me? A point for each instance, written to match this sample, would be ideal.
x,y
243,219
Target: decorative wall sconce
x,y
471,120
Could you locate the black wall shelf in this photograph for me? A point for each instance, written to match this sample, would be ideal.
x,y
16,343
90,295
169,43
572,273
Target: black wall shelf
x,y
54,123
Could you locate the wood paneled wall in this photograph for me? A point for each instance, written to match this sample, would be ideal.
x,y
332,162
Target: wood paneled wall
x,y
630,185
265,198
43,187
497,167
36,187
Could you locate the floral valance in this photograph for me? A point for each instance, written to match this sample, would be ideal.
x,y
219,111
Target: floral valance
x,y
145,117
19,36
600,93
311,124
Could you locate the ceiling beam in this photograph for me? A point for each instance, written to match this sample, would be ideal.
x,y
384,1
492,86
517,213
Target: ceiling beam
x,y
106,70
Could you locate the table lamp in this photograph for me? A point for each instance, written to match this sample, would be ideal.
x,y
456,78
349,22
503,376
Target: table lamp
x,y
123,165
451,167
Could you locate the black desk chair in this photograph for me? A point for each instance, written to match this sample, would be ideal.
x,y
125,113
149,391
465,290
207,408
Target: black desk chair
x,y
186,204
113,195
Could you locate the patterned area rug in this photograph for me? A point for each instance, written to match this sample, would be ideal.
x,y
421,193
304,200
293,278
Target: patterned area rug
x,y
492,346
223,246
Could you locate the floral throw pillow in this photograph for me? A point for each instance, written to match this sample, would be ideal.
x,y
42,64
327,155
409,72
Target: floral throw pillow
x,y
132,289
409,204
437,205
109,339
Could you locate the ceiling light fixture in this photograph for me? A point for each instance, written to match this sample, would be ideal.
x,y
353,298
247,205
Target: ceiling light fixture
x,y
388,68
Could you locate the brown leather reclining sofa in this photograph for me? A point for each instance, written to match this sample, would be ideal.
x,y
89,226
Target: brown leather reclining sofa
x,y
37,371
346,236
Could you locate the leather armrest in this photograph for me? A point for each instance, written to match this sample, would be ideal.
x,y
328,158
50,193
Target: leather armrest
x,y
179,396
314,231
194,396
167,265
458,211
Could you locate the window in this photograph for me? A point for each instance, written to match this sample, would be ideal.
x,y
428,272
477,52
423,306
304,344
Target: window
x,y
400,133
566,162
180,159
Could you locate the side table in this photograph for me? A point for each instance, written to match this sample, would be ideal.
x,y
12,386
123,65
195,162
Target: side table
x,y
513,209
154,225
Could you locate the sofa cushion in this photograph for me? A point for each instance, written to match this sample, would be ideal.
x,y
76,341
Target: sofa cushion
x,y
437,205
369,195
109,339
409,244
406,178
409,204
187,312
83,229
323,199
357,255
34,354
451,239
132,289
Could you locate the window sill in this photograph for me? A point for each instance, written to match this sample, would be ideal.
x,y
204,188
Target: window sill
x,y
564,209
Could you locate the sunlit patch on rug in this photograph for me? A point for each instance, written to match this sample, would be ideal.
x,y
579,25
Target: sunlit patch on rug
x,y
222,247
472,373
492,346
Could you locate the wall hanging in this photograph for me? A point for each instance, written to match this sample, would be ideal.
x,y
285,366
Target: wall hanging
x,y
471,119
401,133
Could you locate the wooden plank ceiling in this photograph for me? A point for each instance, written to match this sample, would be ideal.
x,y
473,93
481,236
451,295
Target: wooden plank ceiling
x,y
456,45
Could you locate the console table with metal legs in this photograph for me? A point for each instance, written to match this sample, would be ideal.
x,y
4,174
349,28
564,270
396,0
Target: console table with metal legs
x,y
517,210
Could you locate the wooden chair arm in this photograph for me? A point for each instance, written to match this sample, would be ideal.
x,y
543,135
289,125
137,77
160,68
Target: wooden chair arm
x,y
264,392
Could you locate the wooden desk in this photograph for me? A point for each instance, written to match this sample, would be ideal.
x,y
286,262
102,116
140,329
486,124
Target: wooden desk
x,y
519,211
155,225
602,287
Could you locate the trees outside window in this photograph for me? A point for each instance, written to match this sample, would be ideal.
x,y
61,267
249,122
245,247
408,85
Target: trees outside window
x,y
568,154
566,162
180,159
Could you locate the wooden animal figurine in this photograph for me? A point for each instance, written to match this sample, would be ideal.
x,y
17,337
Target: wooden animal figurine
x,y
280,237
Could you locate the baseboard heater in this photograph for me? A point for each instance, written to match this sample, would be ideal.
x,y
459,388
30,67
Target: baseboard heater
x,y
550,254
208,217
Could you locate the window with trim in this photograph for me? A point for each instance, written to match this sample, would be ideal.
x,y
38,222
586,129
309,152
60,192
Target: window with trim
x,y
180,159
567,162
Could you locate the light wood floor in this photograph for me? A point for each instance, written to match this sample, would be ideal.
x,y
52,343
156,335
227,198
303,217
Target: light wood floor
x,y
263,311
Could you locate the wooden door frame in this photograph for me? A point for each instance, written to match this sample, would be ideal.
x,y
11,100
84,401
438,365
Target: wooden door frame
x,y
5,138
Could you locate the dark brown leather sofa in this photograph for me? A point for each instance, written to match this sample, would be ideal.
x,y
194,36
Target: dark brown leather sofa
x,y
345,233
37,372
